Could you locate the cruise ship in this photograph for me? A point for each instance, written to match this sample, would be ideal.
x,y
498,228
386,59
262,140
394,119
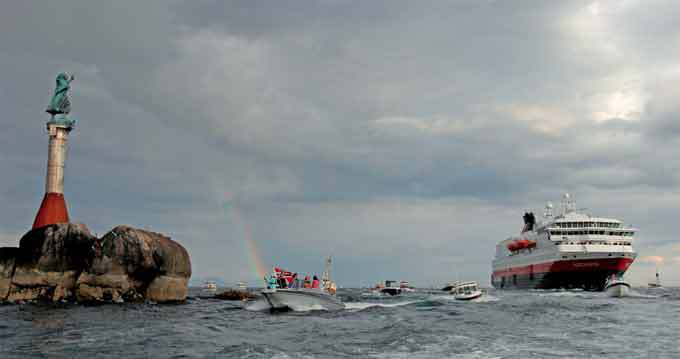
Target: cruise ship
x,y
570,250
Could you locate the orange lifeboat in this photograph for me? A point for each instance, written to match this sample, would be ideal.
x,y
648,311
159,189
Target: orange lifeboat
x,y
521,244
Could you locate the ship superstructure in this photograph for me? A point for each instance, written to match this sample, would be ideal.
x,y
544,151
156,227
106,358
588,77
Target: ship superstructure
x,y
569,250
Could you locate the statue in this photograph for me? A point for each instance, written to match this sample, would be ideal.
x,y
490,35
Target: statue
x,y
60,106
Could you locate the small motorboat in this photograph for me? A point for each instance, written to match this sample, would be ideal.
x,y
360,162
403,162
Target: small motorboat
x,y
209,286
284,299
657,282
391,288
406,287
616,287
316,297
466,291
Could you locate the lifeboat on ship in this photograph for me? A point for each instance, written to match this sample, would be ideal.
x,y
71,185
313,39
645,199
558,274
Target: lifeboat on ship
x,y
521,244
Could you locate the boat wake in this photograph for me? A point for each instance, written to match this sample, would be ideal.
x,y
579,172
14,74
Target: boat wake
x,y
356,306
261,305
638,295
485,298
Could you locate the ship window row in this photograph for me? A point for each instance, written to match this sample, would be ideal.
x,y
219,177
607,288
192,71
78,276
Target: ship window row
x,y
587,225
583,233
590,242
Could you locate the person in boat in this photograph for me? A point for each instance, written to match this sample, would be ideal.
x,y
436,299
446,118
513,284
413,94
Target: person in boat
x,y
307,282
315,282
278,278
272,282
294,281
288,277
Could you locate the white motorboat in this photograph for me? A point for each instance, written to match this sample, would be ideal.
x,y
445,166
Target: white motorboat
x,y
391,288
466,291
209,286
406,287
300,299
617,287
304,298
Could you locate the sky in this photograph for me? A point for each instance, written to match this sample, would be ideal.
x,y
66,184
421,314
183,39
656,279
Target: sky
x,y
403,138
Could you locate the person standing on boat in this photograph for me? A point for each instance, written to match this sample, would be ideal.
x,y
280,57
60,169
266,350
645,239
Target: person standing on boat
x,y
271,281
315,282
294,281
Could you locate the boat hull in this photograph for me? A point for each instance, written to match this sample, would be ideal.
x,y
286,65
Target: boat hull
x,y
301,300
391,291
587,274
470,296
619,289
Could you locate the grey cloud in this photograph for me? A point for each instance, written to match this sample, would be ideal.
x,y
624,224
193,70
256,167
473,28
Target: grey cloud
x,y
359,125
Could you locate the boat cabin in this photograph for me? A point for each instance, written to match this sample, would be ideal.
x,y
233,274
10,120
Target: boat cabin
x,y
465,288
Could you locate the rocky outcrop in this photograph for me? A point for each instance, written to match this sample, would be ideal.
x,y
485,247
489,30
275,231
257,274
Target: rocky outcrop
x,y
66,262
7,261
48,262
132,263
233,294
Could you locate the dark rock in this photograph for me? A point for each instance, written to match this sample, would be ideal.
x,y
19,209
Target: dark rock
x,y
232,294
132,264
48,262
66,262
8,257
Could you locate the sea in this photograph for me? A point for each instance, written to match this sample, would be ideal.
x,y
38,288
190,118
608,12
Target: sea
x,y
425,324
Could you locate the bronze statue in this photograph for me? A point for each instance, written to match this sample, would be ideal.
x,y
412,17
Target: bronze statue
x,y
60,103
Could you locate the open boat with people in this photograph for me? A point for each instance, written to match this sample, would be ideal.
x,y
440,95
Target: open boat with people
x,y
466,291
617,287
286,292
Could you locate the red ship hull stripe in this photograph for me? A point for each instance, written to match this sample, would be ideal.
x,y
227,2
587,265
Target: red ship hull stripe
x,y
569,265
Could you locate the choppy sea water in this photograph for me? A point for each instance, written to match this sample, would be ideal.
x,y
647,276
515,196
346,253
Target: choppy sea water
x,y
506,324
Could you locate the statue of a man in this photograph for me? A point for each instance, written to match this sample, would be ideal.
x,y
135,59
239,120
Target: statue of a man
x,y
60,103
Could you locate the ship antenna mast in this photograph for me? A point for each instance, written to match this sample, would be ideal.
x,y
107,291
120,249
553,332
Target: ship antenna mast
x,y
326,276
568,205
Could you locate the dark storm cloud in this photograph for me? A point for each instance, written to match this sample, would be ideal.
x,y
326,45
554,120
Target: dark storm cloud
x,y
343,125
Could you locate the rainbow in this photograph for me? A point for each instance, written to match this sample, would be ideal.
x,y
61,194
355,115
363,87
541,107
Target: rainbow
x,y
259,266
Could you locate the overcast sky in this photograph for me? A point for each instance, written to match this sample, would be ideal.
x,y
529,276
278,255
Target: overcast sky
x,y
405,138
